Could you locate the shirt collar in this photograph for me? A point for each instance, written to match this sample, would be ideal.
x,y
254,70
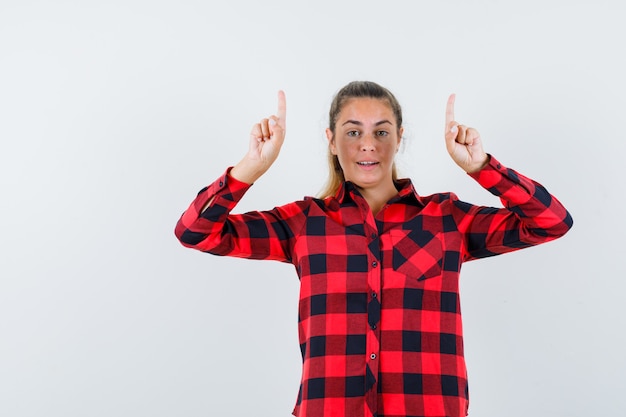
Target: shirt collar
x,y
406,192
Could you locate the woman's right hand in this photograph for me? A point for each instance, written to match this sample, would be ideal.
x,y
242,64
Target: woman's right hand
x,y
266,139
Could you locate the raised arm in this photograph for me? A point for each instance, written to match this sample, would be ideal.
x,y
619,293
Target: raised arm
x,y
531,215
208,225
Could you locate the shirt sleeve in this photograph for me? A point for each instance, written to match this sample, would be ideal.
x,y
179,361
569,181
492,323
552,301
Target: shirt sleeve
x,y
531,215
254,235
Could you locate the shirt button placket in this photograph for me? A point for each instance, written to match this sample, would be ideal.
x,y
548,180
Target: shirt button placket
x,y
373,313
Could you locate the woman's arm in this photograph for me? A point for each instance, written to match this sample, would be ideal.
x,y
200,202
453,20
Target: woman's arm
x,y
207,224
531,215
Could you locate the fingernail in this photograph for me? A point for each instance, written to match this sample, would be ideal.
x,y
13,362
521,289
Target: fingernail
x,y
272,122
454,129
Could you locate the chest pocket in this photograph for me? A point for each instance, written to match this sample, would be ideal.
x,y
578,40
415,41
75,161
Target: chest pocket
x,y
418,254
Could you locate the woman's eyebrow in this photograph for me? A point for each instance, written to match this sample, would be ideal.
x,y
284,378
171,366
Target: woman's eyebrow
x,y
356,122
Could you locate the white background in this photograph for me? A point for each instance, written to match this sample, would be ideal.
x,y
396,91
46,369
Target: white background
x,y
114,114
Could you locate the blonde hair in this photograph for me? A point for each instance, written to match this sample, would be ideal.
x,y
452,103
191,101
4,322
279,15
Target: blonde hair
x,y
355,89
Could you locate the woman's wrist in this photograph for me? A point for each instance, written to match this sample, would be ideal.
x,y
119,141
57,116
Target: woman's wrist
x,y
479,167
246,171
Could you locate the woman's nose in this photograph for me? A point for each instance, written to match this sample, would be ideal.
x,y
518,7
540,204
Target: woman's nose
x,y
368,143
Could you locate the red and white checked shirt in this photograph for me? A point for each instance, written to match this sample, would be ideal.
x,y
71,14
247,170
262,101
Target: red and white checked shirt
x,y
379,316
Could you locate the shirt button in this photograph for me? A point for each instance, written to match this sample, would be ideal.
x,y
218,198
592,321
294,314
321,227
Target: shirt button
x,y
374,264
374,295
373,327
221,183
373,356
373,236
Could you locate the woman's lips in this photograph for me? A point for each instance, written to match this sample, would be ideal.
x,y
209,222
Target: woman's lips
x,y
367,165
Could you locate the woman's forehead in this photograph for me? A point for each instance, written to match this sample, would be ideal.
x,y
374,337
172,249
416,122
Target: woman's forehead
x,y
366,109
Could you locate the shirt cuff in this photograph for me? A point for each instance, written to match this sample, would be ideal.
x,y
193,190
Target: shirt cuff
x,y
490,174
228,182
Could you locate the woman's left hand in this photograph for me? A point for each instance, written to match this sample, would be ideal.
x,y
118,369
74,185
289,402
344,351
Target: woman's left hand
x,y
463,143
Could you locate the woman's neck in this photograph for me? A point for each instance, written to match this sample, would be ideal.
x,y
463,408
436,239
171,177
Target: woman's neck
x,y
377,198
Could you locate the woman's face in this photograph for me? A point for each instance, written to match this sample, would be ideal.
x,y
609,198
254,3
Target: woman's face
x,y
365,141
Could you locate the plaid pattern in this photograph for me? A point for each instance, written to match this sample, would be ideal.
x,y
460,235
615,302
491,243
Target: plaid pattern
x,y
379,316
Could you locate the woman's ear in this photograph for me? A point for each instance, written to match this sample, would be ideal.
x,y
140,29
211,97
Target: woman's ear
x,y
400,136
331,141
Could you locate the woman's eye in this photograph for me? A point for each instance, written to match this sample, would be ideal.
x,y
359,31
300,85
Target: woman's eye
x,y
382,133
353,133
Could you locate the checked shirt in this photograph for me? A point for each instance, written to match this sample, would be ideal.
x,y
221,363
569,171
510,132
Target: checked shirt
x,y
379,318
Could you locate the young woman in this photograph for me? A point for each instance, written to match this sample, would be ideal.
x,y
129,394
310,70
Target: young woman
x,y
379,318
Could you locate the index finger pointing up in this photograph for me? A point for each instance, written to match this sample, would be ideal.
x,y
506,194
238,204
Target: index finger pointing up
x,y
282,106
450,110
